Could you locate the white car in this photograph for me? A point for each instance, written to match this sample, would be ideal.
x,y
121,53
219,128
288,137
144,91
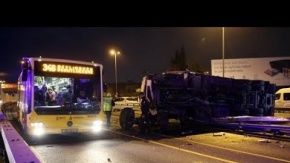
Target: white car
x,y
124,102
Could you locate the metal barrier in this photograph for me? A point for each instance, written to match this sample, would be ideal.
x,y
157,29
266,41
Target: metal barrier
x,y
16,148
254,123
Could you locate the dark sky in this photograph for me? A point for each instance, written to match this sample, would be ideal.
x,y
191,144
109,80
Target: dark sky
x,y
141,47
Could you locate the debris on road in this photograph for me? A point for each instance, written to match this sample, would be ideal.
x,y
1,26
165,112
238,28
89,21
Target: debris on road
x,y
264,141
218,134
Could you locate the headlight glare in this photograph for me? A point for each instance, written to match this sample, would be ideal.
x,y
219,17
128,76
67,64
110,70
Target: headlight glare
x,y
37,124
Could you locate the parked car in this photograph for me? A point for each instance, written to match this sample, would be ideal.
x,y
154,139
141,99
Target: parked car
x,y
123,102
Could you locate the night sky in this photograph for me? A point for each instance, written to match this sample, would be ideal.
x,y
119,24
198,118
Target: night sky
x,y
141,48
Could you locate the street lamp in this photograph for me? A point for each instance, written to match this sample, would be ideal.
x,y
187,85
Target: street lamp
x,y
115,53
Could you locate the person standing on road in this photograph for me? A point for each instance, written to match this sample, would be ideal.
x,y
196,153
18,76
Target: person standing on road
x,y
108,103
144,119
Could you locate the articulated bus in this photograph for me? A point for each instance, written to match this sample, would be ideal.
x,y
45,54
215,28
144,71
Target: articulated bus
x,y
48,89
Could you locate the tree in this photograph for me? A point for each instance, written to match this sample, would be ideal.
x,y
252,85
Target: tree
x,y
178,62
195,67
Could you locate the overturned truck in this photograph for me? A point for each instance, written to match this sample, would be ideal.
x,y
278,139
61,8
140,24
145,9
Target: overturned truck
x,y
189,96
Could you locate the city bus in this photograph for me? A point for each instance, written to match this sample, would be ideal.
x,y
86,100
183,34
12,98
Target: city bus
x,y
48,90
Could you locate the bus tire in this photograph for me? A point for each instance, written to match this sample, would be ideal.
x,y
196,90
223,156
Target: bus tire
x,y
126,119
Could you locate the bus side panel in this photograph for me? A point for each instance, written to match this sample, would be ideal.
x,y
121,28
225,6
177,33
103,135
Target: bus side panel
x,y
25,100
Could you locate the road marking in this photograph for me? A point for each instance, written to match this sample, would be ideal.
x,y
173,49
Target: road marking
x,y
176,148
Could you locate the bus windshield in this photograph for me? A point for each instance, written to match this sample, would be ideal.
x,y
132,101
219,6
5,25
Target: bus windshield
x,y
60,95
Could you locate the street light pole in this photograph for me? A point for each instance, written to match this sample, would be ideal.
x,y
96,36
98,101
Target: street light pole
x,y
1,82
115,53
223,49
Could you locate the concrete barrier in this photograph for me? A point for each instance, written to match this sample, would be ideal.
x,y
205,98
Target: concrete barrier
x,y
16,148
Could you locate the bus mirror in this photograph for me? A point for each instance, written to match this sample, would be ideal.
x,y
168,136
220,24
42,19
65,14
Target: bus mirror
x,y
24,74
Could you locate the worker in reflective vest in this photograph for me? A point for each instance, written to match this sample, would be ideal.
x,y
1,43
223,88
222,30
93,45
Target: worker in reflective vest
x,y
108,103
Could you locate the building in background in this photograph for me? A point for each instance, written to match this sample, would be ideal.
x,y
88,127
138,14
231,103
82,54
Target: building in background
x,y
8,92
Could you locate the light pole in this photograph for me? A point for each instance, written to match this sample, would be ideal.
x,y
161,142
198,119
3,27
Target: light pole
x,y
115,53
1,82
223,49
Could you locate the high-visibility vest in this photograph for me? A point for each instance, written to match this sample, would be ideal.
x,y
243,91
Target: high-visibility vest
x,y
107,104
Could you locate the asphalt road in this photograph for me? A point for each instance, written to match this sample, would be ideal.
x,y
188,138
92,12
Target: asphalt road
x,y
115,145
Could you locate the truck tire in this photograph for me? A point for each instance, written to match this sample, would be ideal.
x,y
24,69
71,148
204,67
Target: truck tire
x,y
127,117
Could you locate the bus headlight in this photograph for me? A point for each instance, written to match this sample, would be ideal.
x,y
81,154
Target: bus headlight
x,y
36,124
37,128
97,126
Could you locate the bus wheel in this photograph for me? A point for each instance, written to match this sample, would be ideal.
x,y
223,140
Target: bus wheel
x,y
127,117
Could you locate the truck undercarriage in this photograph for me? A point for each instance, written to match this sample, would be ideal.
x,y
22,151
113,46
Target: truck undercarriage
x,y
189,96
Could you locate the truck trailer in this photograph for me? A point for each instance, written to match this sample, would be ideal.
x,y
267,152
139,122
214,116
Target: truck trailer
x,y
189,96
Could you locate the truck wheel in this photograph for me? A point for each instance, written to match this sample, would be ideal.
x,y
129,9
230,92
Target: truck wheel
x,y
127,117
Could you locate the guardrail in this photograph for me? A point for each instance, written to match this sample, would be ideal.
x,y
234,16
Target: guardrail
x,y
16,148
275,125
